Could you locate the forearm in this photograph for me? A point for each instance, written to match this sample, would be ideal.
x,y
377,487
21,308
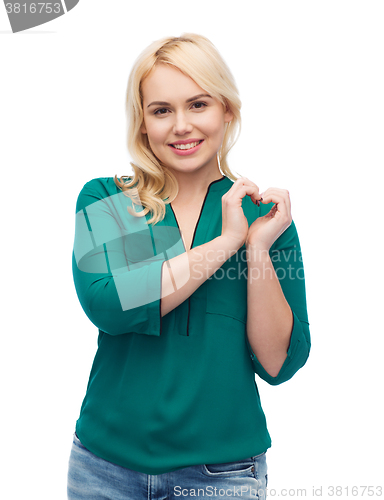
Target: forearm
x,y
183,274
269,317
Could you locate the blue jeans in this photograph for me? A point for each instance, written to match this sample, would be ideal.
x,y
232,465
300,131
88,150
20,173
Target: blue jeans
x,y
91,477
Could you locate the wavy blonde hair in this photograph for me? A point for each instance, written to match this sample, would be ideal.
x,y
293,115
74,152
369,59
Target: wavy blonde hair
x,y
153,184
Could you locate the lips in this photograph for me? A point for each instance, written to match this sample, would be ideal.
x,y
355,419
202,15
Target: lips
x,y
186,147
186,144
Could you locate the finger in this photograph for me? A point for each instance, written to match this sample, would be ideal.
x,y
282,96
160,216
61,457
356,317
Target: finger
x,y
278,191
272,194
281,199
243,182
235,196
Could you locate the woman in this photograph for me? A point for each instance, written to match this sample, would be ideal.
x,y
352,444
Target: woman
x,y
195,281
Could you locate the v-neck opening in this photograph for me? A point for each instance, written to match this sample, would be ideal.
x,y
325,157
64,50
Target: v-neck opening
x,y
201,211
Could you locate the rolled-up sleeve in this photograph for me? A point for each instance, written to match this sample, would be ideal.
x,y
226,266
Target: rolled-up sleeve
x,y
287,261
118,295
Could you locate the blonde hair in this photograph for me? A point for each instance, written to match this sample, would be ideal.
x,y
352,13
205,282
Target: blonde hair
x,y
153,184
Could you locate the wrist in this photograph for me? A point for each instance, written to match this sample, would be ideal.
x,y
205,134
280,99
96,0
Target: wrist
x,y
257,254
229,244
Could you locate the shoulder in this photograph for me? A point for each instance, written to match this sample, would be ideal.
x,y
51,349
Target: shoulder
x,y
95,190
100,184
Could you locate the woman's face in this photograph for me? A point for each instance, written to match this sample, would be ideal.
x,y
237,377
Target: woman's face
x,y
184,124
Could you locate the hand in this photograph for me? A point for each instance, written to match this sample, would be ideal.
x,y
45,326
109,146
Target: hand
x,y
265,230
235,224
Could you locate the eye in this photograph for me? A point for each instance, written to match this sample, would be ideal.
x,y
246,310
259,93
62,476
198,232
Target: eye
x,y
160,111
199,105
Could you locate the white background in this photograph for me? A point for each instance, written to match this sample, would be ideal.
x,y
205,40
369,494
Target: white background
x,y
311,79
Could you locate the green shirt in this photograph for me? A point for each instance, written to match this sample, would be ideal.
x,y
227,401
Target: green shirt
x,y
179,390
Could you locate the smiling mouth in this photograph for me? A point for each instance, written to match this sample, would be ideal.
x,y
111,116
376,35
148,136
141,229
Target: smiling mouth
x,y
190,145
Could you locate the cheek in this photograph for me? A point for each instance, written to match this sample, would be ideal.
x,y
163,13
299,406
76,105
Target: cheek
x,y
214,125
155,132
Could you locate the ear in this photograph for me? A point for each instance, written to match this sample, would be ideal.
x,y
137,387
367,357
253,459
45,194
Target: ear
x,y
228,114
143,128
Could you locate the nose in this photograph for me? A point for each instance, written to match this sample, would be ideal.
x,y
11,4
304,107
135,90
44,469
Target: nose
x,y
181,124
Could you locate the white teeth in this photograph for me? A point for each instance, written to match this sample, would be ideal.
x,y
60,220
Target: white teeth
x,y
186,146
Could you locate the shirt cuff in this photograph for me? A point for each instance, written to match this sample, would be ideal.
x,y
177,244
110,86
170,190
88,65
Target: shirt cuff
x,y
297,355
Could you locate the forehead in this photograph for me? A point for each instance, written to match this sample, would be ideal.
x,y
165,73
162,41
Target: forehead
x,y
166,82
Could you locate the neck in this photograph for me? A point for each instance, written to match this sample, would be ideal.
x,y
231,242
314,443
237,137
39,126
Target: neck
x,y
193,186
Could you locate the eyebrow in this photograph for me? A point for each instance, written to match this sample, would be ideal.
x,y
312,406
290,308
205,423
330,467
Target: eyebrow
x,y
163,103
